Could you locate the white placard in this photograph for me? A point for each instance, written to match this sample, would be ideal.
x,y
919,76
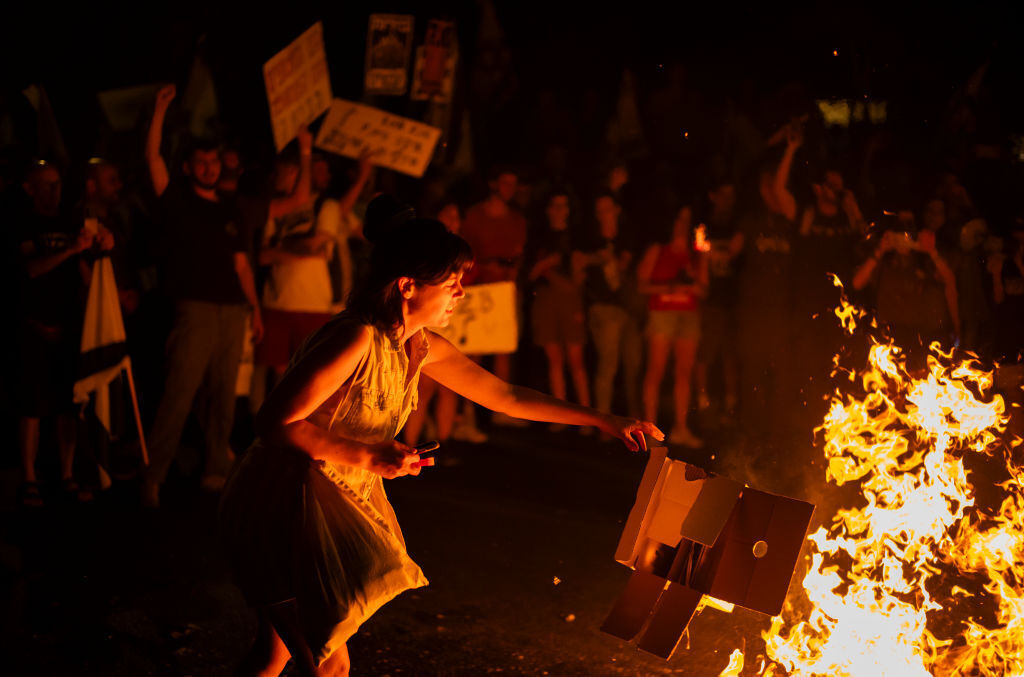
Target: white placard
x,y
298,85
485,321
397,143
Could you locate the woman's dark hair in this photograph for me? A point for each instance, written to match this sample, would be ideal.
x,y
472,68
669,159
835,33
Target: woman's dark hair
x,y
403,246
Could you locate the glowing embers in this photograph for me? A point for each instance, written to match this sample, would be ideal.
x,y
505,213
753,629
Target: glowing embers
x,y
886,572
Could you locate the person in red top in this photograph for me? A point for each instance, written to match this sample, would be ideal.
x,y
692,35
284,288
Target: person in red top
x,y
674,276
497,234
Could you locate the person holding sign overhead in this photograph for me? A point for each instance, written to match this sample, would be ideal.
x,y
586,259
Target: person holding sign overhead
x,y
313,541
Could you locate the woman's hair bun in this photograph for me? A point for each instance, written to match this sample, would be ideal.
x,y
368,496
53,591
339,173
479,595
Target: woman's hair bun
x,y
384,216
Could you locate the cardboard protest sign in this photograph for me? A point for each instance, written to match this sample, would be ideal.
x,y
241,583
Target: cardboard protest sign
x,y
398,143
298,85
692,534
484,322
388,45
434,65
123,107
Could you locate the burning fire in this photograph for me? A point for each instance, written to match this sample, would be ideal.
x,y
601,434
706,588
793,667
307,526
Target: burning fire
x,y
886,571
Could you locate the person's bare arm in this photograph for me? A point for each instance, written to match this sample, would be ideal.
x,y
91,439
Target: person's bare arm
x,y
926,242
807,221
543,265
37,266
282,419
786,200
158,174
449,367
862,276
248,282
644,271
348,200
299,197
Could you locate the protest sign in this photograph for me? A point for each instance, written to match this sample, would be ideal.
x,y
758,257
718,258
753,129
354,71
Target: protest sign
x,y
388,45
397,143
124,107
298,85
484,322
434,69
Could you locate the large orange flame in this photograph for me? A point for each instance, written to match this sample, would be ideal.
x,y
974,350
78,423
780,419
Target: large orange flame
x,y
884,571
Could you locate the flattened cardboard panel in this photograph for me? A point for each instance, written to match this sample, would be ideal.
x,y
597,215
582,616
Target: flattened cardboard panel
x,y
774,572
626,550
675,609
706,519
674,502
755,514
735,570
634,605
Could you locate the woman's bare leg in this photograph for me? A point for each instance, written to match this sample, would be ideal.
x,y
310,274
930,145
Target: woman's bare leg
x,y
268,655
447,403
418,416
337,664
657,358
284,618
578,370
556,369
685,353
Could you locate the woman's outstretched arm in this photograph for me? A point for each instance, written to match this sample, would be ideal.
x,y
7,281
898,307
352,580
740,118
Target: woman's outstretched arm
x,y
449,367
282,419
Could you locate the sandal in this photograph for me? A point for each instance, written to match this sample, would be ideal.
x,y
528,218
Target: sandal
x,y
30,495
72,490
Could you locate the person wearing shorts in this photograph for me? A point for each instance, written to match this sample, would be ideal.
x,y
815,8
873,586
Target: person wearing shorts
x,y
557,316
674,276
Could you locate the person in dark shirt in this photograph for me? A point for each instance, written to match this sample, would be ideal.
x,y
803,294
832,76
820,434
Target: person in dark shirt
x,y
557,318
718,309
1007,273
50,323
915,288
831,230
208,274
607,270
765,238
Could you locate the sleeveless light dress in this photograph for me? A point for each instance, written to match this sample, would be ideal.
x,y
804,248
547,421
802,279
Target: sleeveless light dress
x,y
324,534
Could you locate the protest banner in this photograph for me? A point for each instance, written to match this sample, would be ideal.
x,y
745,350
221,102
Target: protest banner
x,y
388,45
485,322
397,143
434,65
124,107
298,85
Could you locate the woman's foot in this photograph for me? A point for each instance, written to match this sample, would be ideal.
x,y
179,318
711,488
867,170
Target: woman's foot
x,y
31,497
682,435
75,492
468,433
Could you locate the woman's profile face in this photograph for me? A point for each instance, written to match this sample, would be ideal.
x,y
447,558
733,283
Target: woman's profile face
x,y
681,226
433,304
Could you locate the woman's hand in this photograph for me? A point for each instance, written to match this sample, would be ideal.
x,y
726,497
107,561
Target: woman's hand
x,y
393,459
631,431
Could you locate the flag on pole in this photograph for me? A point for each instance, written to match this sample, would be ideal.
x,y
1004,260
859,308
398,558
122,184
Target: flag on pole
x,y
104,349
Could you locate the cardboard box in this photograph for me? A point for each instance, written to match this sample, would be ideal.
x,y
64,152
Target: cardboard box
x,y
690,534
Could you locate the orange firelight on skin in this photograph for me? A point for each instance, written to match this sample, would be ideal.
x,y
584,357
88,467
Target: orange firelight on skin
x,y
883,570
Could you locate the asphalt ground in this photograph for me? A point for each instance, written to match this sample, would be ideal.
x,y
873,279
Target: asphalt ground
x,y
517,537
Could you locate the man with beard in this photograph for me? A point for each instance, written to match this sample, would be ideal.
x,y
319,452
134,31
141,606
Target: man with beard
x,y
208,276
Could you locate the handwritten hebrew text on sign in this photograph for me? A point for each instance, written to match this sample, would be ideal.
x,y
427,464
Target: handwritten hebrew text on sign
x,y
397,143
298,85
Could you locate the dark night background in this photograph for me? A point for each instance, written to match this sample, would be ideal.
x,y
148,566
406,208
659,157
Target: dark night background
x,y
108,589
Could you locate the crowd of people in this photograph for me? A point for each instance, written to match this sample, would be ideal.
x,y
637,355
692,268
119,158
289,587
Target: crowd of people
x,y
619,272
